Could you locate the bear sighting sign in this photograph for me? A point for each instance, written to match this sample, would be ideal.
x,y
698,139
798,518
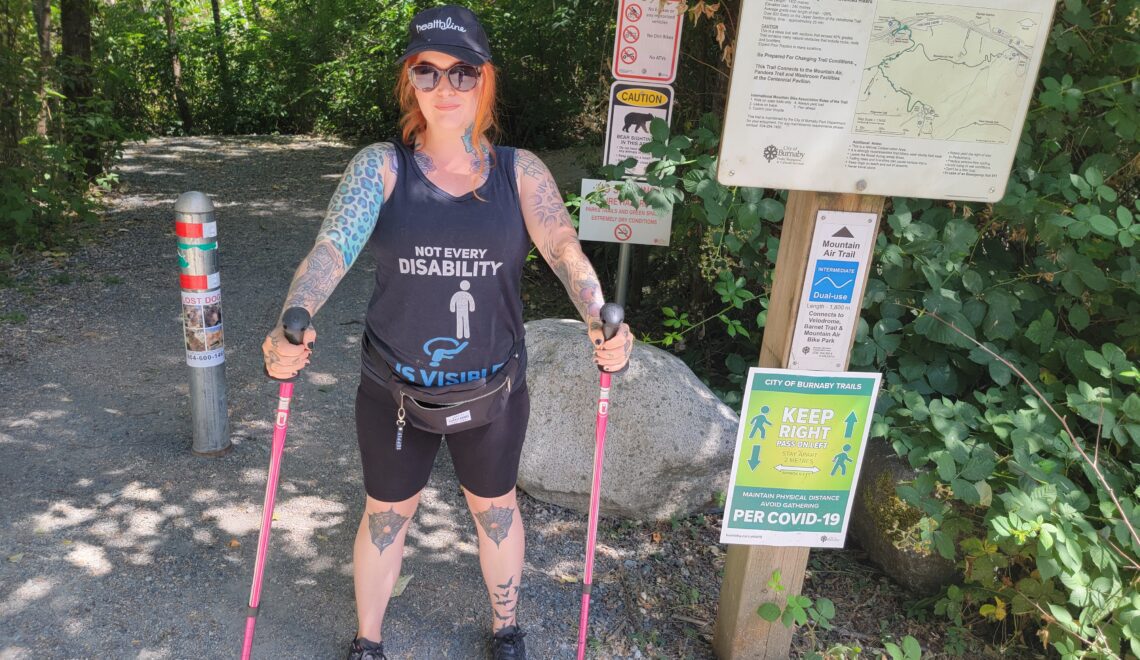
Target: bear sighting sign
x,y
632,107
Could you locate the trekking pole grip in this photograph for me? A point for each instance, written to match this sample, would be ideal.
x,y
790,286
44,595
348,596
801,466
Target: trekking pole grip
x,y
612,315
295,321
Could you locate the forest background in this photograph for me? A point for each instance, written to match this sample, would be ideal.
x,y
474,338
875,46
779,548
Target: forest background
x,y
1009,333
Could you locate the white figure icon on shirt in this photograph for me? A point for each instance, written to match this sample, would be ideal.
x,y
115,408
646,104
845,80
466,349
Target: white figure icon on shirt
x,y
462,304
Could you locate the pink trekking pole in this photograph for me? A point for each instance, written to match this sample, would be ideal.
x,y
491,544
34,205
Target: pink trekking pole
x,y
612,315
295,322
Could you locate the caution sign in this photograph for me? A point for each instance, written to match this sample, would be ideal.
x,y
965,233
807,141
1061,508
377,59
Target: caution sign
x,y
632,107
622,222
648,40
833,288
799,449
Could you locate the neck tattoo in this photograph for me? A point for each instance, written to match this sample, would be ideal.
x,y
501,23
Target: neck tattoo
x,y
481,159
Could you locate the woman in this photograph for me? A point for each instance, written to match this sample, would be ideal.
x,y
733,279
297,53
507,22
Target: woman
x,y
450,220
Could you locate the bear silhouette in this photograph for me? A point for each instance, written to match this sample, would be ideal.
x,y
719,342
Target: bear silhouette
x,y
639,121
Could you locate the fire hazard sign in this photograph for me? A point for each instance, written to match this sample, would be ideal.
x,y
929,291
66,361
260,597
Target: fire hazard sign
x,y
620,221
648,40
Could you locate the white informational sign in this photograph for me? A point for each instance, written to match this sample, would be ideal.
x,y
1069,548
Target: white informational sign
x,y
799,450
882,97
841,250
632,107
621,222
648,40
202,328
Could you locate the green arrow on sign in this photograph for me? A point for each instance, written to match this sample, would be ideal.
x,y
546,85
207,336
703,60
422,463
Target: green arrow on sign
x,y
851,419
755,460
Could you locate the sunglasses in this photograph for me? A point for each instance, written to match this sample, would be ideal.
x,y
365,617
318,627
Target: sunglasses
x,y
425,77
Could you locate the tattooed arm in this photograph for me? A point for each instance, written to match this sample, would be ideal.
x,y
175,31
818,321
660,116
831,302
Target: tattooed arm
x,y
549,226
349,221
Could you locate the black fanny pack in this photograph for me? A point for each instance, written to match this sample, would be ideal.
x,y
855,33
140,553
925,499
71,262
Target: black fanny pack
x,y
451,408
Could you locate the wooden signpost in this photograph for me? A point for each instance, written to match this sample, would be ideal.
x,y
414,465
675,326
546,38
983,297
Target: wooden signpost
x,y
880,98
740,632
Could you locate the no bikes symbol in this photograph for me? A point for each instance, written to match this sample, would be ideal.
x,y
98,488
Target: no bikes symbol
x,y
623,232
629,55
631,34
633,13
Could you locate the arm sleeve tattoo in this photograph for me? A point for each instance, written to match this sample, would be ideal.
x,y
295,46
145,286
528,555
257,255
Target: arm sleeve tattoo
x,y
348,223
355,205
554,234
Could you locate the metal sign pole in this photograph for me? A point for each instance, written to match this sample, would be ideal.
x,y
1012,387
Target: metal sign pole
x,y
202,322
625,255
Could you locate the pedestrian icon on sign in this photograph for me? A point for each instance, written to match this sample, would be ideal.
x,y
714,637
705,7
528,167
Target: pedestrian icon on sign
x,y
840,462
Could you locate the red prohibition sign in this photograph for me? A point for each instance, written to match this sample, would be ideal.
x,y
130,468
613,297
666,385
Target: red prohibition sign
x,y
633,13
631,34
623,232
629,55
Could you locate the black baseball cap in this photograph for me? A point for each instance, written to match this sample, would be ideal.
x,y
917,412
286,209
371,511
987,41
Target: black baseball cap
x,y
448,29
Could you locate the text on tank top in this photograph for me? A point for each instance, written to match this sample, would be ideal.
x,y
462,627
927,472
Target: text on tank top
x,y
446,307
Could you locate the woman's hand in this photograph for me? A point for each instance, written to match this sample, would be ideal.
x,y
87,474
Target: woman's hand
x,y
613,355
284,360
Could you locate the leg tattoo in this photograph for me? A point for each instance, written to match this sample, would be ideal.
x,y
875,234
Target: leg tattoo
x,y
496,522
384,526
506,600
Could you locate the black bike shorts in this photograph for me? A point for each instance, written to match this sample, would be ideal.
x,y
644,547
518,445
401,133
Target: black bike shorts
x,y
486,459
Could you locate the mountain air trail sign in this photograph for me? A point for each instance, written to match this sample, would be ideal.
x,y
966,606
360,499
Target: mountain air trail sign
x,y
799,450
832,294
882,97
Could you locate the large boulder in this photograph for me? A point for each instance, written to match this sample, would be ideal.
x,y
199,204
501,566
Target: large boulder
x,y
669,441
889,530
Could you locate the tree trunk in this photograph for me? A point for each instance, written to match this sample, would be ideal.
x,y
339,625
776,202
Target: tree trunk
x,y
176,68
255,10
41,12
10,121
223,68
78,87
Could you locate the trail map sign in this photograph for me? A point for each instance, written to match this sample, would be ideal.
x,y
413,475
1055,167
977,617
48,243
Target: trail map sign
x,y
841,248
632,107
882,97
621,222
799,450
648,40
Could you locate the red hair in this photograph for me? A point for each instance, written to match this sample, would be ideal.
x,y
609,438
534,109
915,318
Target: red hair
x,y
413,124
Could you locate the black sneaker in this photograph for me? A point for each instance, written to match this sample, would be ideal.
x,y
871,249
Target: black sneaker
x,y
508,644
363,649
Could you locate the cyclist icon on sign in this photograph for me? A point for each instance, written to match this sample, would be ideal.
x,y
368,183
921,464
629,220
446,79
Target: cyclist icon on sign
x,y
633,13
631,34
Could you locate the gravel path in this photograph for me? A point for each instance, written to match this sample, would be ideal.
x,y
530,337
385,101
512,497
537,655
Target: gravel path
x,y
119,543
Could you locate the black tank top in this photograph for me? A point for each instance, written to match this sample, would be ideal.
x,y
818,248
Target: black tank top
x,y
446,308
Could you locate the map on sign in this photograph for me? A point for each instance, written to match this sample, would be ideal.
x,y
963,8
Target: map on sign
x,y
945,72
899,98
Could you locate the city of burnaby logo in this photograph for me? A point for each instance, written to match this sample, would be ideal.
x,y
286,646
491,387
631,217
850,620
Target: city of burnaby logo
x,y
770,152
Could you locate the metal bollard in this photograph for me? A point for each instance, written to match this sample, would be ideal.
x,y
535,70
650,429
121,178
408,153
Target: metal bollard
x,y
202,322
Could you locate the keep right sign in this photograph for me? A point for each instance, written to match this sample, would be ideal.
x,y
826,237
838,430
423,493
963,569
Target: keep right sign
x,y
799,449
